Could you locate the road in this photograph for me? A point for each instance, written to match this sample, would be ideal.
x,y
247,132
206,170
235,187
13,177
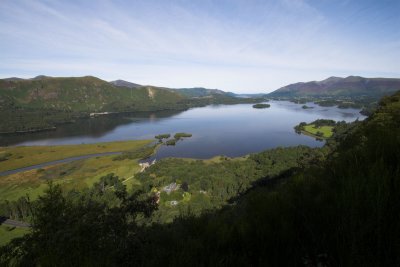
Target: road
x,y
9,222
50,163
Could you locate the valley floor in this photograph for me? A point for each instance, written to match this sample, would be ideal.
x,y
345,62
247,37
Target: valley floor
x,y
72,175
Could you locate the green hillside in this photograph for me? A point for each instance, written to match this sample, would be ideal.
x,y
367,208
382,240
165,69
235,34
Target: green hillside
x,y
200,92
87,94
43,102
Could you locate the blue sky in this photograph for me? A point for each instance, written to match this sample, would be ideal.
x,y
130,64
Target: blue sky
x,y
235,45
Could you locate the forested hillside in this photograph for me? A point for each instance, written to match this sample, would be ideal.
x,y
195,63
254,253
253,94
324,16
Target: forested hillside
x,y
336,209
201,92
41,103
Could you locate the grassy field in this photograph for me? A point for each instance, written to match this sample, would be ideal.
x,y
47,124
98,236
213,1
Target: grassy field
x,y
325,130
23,156
73,175
7,233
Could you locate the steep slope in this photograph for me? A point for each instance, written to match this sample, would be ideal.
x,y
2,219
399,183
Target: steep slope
x,y
352,86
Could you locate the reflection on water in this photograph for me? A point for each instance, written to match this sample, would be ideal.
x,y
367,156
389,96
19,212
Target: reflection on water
x,y
231,130
87,130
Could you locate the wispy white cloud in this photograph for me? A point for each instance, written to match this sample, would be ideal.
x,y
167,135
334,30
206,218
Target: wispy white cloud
x,y
233,45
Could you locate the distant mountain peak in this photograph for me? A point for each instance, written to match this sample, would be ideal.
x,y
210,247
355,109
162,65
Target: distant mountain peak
x,y
330,80
13,79
40,77
122,83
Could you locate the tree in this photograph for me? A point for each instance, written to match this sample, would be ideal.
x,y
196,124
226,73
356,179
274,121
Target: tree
x,y
79,231
185,186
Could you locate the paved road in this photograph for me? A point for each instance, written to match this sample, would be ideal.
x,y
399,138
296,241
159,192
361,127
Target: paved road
x,y
9,222
46,164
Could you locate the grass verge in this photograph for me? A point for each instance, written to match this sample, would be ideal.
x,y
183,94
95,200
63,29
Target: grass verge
x,y
7,233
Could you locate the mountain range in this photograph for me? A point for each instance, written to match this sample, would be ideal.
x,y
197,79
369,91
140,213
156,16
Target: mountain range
x,y
352,86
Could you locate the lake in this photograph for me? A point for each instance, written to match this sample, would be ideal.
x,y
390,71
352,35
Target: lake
x,y
230,130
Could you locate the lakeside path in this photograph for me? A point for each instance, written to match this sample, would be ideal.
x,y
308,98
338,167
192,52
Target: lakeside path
x,y
54,162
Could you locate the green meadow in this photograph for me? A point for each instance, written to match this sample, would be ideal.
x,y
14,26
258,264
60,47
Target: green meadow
x,y
9,232
326,131
78,174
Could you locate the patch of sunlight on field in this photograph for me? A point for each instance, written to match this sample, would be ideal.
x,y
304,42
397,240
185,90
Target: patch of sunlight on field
x,y
74,175
7,233
325,130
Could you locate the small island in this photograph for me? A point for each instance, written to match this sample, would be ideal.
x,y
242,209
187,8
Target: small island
x,y
178,136
160,137
172,141
260,106
306,107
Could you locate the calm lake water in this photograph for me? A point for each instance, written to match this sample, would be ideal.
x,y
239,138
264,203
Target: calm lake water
x,y
231,130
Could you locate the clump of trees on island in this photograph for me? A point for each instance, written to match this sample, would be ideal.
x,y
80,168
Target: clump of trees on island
x,y
160,137
261,106
306,107
172,142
